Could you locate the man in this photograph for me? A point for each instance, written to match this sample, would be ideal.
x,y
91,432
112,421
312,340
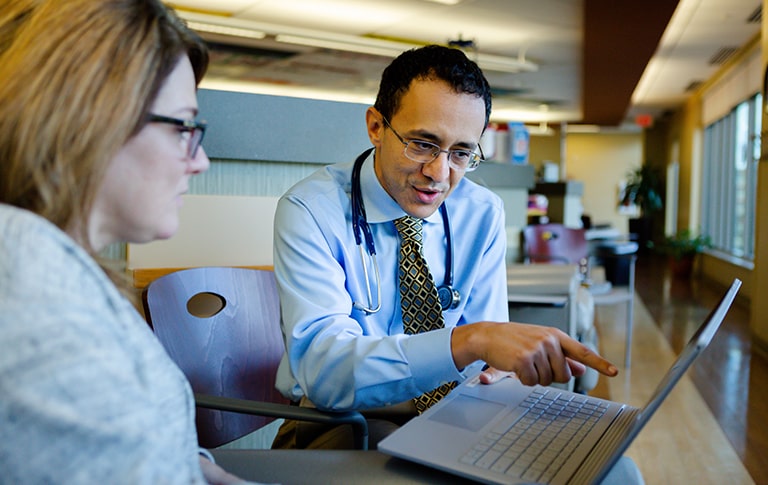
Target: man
x,y
347,347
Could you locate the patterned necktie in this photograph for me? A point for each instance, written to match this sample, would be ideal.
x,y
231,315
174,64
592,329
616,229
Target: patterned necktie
x,y
418,296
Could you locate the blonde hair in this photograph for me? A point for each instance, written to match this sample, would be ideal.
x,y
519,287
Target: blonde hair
x,y
77,79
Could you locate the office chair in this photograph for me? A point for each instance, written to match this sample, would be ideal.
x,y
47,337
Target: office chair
x,y
556,244
221,326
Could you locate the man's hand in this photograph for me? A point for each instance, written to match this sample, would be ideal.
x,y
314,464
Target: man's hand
x,y
536,354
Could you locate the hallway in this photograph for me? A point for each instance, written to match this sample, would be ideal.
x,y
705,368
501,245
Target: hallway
x,y
731,375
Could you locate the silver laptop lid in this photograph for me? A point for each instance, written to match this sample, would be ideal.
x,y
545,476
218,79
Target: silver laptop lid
x,y
698,342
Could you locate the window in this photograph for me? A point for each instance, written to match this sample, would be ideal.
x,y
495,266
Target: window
x,y
729,188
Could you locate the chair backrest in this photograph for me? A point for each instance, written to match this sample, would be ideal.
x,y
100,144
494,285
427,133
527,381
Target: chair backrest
x,y
554,243
221,325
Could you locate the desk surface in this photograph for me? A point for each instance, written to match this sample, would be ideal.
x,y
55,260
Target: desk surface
x,y
289,467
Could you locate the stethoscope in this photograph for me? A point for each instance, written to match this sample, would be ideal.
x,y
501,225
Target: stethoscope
x,y
449,297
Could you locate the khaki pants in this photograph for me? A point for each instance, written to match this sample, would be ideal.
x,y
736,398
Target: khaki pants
x,y
295,434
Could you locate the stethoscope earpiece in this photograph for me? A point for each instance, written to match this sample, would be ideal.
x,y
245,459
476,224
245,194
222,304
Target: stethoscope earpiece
x,y
449,297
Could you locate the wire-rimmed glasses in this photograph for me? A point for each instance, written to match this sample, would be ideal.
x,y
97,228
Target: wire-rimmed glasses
x,y
192,130
423,151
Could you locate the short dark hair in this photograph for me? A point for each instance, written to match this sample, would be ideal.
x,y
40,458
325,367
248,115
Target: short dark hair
x,y
431,62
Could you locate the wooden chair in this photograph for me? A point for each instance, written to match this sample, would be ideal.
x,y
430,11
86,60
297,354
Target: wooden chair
x,y
556,244
221,325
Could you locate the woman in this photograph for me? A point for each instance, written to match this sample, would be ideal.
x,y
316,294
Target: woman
x,y
97,144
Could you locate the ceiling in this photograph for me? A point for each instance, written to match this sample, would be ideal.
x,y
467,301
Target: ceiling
x,y
601,62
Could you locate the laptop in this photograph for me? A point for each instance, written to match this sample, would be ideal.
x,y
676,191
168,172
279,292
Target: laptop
x,y
510,433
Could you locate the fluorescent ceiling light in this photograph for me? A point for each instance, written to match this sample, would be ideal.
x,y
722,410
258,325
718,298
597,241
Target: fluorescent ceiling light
x,y
378,49
330,40
446,2
393,49
286,90
505,64
226,30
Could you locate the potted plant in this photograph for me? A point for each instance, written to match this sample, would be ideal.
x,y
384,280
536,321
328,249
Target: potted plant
x,y
682,248
642,190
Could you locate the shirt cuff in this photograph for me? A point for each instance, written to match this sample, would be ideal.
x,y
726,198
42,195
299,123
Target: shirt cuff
x,y
207,454
430,358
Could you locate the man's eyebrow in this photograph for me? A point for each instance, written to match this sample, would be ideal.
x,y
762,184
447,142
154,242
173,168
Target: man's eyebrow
x,y
421,134
428,136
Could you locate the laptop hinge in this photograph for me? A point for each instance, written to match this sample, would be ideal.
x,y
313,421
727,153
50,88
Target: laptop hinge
x,y
605,448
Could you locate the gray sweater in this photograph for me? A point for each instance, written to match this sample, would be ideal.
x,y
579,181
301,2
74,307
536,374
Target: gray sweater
x,y
87,394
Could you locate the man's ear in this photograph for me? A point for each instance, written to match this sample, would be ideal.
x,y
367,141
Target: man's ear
x,y
375,125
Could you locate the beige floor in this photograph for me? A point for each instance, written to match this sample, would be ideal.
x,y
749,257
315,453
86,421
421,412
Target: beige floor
x,y
683,443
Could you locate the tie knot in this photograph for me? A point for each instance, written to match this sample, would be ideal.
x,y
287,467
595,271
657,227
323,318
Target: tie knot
x,y
409,229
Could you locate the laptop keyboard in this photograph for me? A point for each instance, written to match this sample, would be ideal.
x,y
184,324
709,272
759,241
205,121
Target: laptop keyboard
x,y
536,441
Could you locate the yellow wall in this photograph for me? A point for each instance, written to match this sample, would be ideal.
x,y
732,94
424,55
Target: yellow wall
x,y
689,137
759,309
601,161
722,271
544,147
759,313
685,127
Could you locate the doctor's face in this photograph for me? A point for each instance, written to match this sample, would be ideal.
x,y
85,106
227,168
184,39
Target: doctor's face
x,y
429,111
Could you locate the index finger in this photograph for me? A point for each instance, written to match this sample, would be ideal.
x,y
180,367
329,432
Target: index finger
x,y
581,353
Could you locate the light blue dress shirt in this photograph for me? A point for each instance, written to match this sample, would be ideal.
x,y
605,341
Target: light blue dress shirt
x,y
342,358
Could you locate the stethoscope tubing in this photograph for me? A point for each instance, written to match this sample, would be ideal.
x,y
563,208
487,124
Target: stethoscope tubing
x,y
449,297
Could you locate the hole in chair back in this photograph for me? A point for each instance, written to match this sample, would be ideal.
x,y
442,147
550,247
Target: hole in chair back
x,y
206,304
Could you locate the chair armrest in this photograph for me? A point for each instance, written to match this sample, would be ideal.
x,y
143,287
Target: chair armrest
x,y
276,410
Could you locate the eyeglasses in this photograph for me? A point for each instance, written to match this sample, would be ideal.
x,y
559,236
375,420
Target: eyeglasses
x,y
192,131
425,151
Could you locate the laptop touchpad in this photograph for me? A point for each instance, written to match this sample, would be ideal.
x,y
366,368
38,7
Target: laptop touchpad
x,y
468,412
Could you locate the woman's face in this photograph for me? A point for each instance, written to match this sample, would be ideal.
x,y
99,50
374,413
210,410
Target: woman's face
x,y
140,198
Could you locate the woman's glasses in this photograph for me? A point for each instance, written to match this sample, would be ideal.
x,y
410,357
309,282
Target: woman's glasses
x,y
192,130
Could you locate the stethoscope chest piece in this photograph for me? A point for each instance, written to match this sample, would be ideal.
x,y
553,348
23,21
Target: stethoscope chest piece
x,y
449,297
